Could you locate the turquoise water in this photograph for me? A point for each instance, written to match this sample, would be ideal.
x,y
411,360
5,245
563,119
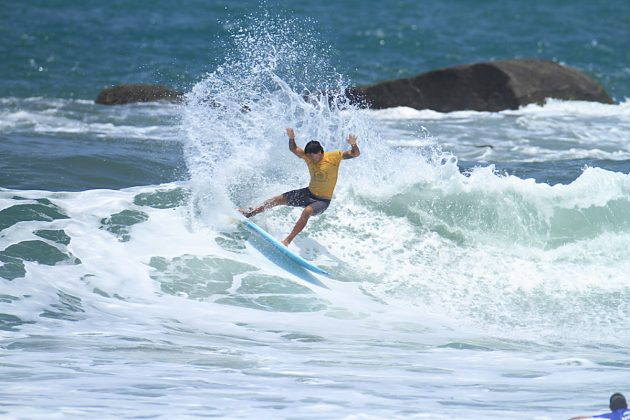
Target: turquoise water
x,y
479,260
66,50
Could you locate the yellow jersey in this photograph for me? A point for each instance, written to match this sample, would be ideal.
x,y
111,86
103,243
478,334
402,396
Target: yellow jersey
x,y
324,174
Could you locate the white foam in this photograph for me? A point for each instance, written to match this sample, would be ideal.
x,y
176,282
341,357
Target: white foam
x,y
557,130
551,108
64,116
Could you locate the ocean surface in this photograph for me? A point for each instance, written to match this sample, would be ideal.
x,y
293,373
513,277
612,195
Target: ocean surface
x,y
479,261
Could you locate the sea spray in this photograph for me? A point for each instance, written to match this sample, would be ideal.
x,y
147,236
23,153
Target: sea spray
x,y
275,76
407,224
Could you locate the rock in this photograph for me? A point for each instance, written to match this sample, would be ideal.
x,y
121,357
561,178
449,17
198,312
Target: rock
x,y
490,86
125,94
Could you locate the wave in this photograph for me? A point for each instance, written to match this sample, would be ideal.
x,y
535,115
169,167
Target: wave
x,y
406,224
408,231
551,108
484,205
450,252
83,118
555,131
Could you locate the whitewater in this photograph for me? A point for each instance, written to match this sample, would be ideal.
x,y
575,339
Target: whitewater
x,y
479,260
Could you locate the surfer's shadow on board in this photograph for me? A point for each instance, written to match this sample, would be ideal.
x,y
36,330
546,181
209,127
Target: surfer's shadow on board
x,y
282,261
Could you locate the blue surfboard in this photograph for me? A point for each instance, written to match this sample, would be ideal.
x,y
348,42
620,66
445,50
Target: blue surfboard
x,y
283,249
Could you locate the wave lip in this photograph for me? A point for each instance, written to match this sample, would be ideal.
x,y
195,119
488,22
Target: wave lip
x,y
487,206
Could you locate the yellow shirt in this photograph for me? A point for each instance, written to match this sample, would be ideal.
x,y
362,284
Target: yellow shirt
x,y
324,174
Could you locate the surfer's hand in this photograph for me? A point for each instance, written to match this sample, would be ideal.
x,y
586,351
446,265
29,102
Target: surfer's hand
x,y
354,151
291,133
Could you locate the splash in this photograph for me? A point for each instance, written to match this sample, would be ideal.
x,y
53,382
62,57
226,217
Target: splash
x,y
275,75
406,224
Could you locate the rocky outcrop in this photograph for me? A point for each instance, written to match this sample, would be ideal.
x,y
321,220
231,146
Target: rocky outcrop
x,y
124,94
490,86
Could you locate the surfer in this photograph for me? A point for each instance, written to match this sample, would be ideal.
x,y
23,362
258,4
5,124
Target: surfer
x,y
618,409
315,199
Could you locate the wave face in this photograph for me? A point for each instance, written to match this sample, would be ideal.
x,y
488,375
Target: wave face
x,y
479,261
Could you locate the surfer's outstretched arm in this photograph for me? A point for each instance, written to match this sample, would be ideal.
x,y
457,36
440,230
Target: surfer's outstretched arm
x,y
292,146
354,148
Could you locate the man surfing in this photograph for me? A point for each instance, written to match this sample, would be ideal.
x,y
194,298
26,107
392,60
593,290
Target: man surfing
x,y
315,199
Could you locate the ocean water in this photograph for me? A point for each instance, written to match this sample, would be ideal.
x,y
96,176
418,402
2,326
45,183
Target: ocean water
x,y
479,260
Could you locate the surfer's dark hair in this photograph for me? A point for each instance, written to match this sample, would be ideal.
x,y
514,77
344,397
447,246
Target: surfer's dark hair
x,y
617,401
313,146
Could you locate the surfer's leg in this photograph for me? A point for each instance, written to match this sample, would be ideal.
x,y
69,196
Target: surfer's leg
x,y
272,202
301,223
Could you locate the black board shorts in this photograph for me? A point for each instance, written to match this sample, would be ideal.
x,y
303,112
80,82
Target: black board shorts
x,y
303,197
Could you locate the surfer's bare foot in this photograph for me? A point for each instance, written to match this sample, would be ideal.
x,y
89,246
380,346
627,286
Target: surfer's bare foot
x,y
285,242
246,213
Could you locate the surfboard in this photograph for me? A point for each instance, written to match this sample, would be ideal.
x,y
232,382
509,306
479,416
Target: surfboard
x,y
283,249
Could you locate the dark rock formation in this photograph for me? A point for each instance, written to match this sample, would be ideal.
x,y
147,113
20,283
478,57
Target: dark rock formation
x,y
491,86
124,94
